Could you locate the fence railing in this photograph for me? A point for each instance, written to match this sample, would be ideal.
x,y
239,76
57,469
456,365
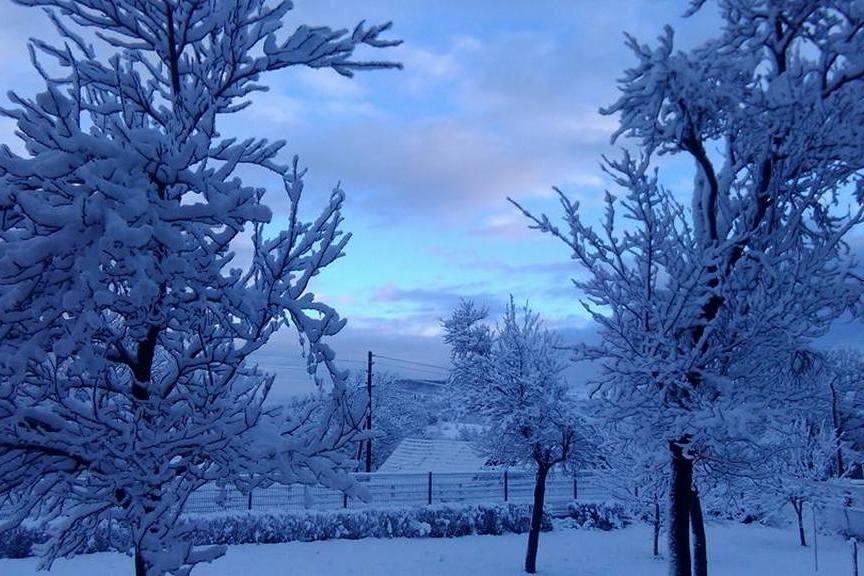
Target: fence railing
x,y
844,510
404,490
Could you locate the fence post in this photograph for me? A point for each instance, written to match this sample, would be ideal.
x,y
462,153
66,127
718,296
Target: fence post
x,y
249,500
575,488
506,487
344,500
429,493
815,541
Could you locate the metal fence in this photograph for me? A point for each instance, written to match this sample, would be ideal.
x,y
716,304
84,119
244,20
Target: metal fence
x,y
405,490
844,511
843,519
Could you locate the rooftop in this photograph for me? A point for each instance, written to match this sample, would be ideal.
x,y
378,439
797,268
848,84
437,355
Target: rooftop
x,y
434,455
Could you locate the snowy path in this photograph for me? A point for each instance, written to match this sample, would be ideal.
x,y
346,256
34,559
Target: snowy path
x,y
735,551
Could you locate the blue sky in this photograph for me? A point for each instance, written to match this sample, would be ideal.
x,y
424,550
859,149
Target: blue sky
x,y
496,99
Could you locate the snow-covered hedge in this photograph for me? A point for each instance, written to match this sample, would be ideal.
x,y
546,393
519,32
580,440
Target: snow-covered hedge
x,y
429,521
17,543
20,542
599,515
259,527
440,521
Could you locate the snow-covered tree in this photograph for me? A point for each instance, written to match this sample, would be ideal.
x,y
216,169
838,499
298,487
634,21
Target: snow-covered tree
x,y
470,339
516,385
126,326
634,474
701,294
799,454
398,413
843,375
809,440
786,456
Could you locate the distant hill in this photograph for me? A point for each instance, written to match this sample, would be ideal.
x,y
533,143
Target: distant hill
x,y
430,388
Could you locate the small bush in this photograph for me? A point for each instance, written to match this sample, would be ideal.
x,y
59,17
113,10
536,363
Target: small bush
x,y
18,542
599,516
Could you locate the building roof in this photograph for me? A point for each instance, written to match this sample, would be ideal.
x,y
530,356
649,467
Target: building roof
x,y
419,455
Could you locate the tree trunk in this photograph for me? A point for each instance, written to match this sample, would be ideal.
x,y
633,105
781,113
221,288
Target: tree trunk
x,y
536,519
680,488
798,506
140,564
700,546
656,528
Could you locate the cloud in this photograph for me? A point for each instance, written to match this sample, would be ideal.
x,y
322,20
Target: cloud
x,y
8,137
21,23
328,84
511,226
463,127
424,298
552,268
478,114
435,169
425,68
278,108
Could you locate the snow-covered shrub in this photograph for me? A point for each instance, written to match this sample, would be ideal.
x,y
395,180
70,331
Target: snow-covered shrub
x,y
18,542
270,528
597,516
429,521
25,540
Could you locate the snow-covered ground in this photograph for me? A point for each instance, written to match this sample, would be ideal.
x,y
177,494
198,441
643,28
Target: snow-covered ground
x,y
735,550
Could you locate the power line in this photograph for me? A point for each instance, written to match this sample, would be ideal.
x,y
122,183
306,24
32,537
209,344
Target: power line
x,y
340,360
305,366
283,367
413,369
387,359
412,362
438,383
388,362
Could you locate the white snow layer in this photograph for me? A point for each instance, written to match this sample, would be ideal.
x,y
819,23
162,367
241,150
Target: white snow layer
x,y
735,550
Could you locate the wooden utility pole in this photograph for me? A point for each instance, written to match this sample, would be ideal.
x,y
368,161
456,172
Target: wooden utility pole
x,y
369,413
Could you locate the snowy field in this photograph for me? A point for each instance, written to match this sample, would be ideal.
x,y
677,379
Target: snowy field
x,y
735,550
